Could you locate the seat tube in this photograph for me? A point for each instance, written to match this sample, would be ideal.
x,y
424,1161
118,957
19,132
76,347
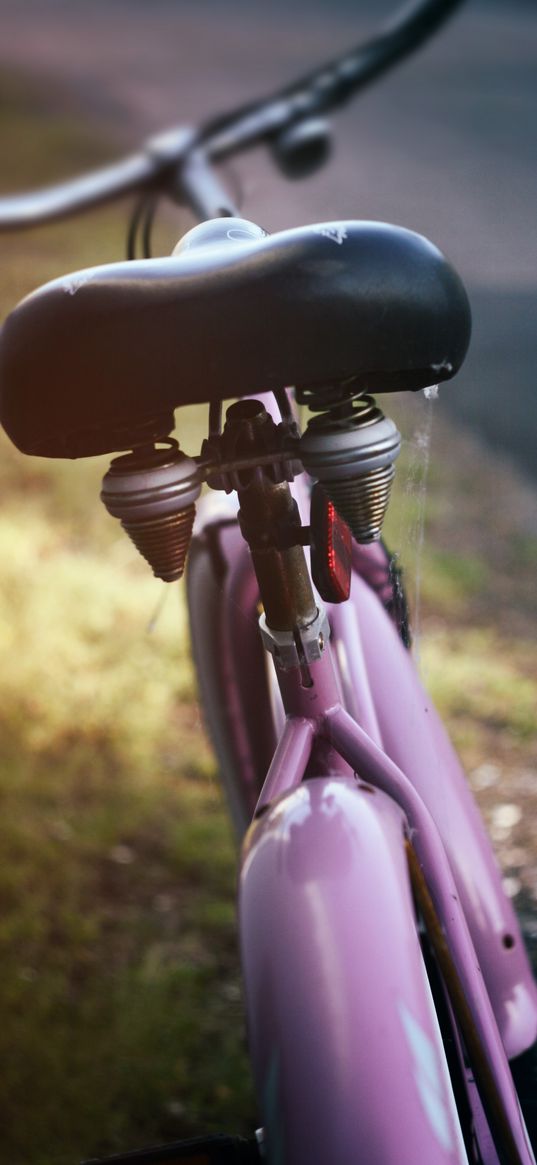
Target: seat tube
x,y
294,629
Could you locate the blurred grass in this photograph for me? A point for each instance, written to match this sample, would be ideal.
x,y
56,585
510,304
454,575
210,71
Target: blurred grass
x,y
119,995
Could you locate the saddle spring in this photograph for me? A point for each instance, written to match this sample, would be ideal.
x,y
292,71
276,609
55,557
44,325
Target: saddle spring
x,y
350,447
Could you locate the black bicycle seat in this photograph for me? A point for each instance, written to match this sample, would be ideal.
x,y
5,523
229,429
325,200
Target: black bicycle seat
x,y
92,362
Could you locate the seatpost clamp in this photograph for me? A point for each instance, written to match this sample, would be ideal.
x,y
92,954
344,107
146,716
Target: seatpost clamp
x,y
301,646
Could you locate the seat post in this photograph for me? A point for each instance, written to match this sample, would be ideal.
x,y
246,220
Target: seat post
x,y
270,524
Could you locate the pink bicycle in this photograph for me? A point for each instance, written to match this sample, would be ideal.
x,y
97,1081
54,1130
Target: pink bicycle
x,y
392,1013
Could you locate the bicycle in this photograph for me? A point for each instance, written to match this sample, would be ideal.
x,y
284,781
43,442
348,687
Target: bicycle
x,y
428,966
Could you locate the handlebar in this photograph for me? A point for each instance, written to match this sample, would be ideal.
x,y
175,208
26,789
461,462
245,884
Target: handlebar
x,y
179,162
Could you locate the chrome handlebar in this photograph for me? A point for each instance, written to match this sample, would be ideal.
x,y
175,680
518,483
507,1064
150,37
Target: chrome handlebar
x,y
179,162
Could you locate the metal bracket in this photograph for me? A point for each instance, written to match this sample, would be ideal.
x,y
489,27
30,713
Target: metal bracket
x,y
294,648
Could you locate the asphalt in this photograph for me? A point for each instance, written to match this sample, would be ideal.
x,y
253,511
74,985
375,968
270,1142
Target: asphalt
x,y
445,145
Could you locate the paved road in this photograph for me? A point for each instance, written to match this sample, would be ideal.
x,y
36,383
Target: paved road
x,y
446,145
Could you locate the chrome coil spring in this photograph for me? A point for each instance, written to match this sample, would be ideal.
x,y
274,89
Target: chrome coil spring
x,y
164,542
350,447
153,493
363,502
331,398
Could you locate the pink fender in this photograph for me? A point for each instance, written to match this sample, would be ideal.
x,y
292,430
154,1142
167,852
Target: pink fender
x,y
230,661
347,1054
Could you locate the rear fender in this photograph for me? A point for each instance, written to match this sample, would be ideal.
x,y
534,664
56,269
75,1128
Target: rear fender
x,y
344,1039
223,598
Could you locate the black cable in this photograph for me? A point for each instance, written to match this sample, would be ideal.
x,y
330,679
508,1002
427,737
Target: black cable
x,y
147,225
140,227
134,227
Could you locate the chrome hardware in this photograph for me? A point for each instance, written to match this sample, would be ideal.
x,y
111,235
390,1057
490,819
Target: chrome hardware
x,y
350,448
295,648
261,1143
251,441
153,493
363,501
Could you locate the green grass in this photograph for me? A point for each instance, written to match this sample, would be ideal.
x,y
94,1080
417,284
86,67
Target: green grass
x,y
120,1007
120,1014
478,678
117,939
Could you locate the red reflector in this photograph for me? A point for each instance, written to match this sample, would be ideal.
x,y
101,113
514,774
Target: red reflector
x,y
331,549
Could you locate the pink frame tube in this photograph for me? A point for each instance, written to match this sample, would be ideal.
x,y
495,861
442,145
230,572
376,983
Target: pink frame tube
x,y
374,676
373,766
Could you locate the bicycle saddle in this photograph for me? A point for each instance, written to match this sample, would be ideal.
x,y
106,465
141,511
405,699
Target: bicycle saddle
x,y
96,361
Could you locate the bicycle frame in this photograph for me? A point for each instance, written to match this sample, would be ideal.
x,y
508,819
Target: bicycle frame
x,y
374,720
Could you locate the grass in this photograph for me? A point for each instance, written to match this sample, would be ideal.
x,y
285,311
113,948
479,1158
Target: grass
x,y
119,995
117,937
117,934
